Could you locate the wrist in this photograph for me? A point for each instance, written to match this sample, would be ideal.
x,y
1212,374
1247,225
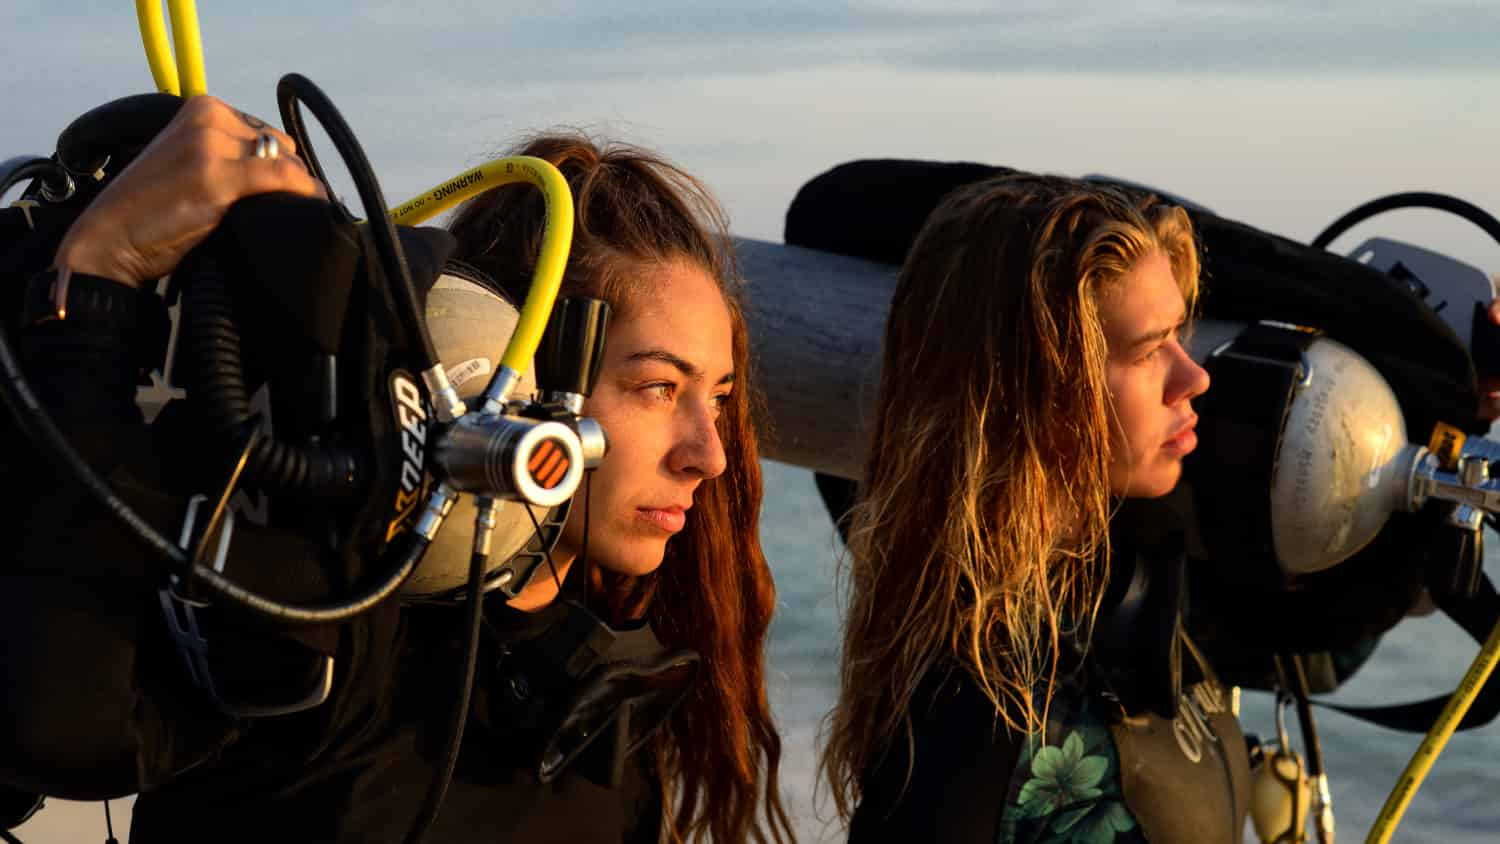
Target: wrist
x,y
100,312
75,255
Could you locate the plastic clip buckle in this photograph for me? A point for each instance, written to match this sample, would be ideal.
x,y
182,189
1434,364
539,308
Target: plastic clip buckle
x,y
182,624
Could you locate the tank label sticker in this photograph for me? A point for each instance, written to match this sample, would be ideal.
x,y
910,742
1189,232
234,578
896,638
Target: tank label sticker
x,y
467,370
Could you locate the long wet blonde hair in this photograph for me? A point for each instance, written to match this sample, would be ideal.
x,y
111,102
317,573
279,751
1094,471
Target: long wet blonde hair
x,y
985,505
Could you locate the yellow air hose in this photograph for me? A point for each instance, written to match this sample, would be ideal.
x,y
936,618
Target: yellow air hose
x,y
182,75
158,55
1432,745
546,278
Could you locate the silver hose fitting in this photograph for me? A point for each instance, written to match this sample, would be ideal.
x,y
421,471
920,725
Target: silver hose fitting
x,y
446,404
439,503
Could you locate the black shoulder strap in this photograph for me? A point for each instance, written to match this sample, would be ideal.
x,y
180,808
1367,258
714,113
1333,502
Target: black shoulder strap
x,y
1264,363
1477,616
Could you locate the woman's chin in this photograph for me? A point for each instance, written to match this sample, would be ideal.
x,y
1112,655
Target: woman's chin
x,y
633,559
1154,484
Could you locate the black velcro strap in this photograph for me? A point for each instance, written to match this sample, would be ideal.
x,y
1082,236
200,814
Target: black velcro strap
x,y
1419,716
1241,422
1477,615
107,309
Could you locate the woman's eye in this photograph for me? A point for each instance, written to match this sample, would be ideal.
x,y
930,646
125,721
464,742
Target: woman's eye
x,y
1159,349
662,391
721,401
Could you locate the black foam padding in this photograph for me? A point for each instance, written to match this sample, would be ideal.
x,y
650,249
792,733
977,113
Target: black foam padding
x,y
874,208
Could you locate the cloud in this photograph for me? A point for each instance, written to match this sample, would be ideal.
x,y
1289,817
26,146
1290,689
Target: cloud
x,y
472,43
1228,102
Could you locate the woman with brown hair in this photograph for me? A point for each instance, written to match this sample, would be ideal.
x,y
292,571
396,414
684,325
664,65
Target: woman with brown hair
x,y
1034,377
666,542
674,509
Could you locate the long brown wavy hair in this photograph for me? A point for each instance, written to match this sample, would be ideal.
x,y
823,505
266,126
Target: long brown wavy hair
x,y
986,501
718,755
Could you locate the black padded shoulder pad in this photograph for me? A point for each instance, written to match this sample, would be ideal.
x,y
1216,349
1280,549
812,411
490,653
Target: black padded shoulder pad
x,y
873,209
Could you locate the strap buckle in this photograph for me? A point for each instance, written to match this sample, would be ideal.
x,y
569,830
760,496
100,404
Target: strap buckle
x,y
181,614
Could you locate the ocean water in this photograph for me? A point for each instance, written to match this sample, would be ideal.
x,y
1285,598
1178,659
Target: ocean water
x,y
1421,657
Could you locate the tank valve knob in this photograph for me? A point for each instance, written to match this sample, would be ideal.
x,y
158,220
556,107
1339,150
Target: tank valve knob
x,y
1474,471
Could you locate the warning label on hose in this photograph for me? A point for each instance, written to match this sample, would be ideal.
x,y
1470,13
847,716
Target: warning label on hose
x,y
439,193
447,189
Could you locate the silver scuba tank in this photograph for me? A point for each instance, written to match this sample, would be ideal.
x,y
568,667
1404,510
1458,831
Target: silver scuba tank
x,y
1342,461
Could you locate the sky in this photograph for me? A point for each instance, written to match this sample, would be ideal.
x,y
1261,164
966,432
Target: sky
x,y
1275,114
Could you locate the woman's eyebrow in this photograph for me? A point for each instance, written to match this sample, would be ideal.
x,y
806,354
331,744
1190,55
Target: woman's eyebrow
x,y
682,365
1159,334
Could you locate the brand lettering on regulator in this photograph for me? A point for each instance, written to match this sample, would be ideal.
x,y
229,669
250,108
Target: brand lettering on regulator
x,y
411,415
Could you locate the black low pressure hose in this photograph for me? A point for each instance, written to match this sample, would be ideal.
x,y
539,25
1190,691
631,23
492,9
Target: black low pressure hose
x,y
289,90
13,171
215,379
400,558
1417,199
1296,676
460,716
294,88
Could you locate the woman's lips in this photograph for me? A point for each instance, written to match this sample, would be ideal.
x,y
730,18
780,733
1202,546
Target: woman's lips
x,y
668,519
1185,440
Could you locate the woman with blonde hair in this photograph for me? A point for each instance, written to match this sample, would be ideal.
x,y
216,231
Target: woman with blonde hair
x,y
1009,672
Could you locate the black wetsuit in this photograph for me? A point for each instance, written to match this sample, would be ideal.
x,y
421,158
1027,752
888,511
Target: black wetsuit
x,y
357,770
1100,776
94,701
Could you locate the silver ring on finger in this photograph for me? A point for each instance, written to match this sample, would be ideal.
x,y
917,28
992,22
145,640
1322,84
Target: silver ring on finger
x,y
266,146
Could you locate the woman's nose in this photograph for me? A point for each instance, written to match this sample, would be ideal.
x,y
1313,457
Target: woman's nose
x,y
1189,379
700,451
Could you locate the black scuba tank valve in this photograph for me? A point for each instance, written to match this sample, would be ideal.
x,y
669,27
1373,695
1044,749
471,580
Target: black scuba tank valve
x,y
567,367
567,363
